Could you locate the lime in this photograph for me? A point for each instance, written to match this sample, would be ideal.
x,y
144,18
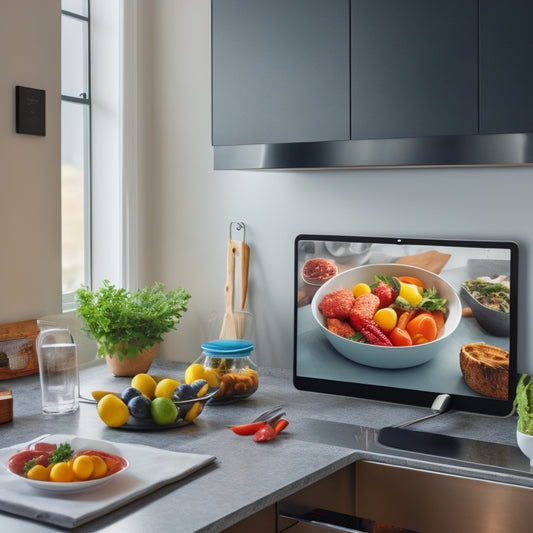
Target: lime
x,y
166,387
163,411
112,410
145,383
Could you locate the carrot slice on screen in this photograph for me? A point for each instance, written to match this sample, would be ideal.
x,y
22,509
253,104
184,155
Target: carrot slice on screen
x,y
411,280
422,328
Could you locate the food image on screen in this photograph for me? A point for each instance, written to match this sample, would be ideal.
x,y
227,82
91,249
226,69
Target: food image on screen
x,y
416,316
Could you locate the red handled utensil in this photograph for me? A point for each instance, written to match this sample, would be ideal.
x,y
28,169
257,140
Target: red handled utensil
x,y
265,427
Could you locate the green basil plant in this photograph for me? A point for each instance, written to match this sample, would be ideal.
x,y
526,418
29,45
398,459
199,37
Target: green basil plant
x,y
524,404
127,323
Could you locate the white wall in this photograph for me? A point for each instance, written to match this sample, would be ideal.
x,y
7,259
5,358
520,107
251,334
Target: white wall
x,y
30,166
193,205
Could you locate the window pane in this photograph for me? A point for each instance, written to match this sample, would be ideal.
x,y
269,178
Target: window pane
x,y
74,53
75,6
74,168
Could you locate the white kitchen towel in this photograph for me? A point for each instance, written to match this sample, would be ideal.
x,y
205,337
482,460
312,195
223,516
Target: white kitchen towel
x,y
18,496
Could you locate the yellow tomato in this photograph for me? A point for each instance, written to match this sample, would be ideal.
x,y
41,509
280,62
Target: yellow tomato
x,y
360,288
39,473
99,467
83,467
61,472
386,318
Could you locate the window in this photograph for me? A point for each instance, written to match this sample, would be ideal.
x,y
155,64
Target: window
x,y
75,147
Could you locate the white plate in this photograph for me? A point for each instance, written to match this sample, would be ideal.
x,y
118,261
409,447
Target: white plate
x,y
78,444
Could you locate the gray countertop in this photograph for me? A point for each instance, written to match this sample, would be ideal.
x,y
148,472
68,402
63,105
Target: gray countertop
x,y
325,434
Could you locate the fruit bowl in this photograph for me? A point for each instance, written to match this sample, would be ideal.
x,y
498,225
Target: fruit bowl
x,y
153,403
188,411
387,356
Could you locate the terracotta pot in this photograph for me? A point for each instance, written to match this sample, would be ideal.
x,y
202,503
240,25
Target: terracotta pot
x,y
131,367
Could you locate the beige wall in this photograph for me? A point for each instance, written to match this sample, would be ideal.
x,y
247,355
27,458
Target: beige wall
x,y
30,166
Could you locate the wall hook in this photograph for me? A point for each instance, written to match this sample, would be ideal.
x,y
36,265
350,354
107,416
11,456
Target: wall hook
x,y
238,226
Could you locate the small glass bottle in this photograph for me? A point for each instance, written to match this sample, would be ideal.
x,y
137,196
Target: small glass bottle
x,y
228,365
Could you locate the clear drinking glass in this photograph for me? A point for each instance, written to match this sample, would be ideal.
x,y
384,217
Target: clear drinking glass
x,y
58,368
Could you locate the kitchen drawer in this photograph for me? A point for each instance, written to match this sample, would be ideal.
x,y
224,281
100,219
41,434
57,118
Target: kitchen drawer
x,y
431,502
333,493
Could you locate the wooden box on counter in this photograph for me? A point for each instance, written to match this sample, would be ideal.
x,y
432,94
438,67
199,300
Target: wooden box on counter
x,y
6,406
18,356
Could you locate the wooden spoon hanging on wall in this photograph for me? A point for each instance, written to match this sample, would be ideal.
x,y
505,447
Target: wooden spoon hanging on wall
x,y
245,265
235,322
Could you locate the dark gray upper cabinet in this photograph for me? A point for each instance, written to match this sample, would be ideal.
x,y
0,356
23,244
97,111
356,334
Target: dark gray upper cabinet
x,y
505,66
281,71
355,83
414,68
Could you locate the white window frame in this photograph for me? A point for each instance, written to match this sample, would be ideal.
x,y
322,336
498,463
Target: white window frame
x,y
69,297
112,198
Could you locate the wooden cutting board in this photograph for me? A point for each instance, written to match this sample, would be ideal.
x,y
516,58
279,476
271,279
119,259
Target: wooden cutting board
x,y
432,260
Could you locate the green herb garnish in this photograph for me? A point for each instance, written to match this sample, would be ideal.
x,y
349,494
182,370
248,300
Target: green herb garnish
x,y
29,465
62,453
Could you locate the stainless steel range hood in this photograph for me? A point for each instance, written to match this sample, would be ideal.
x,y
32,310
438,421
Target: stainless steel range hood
x,y
442,151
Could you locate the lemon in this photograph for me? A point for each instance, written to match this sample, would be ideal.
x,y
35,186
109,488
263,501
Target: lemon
x,y
99,467
360,288
386,318
194,411
166,387
83,467
99,394
212,377
163,411
200,387
39,473
113,411
145,383
61,472
194,372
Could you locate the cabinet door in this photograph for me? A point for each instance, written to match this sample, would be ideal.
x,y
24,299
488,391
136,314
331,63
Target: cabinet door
x,y
414,68
505,70
280,71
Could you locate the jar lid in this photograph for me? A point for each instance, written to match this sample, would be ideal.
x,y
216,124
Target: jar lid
x,y
233,347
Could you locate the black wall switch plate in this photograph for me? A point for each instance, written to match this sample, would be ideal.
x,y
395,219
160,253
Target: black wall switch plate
x,y
31,104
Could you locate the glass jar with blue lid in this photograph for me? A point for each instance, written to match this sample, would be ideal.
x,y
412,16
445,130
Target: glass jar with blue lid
x,y
228,365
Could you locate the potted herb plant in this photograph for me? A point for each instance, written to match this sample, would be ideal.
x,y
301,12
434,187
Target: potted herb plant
x,y
524,408
128,326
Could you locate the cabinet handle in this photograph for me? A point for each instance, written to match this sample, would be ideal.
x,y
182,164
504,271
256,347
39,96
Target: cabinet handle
x,y
326,519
